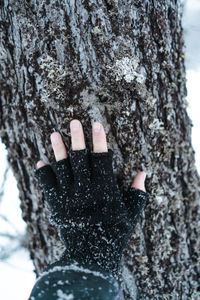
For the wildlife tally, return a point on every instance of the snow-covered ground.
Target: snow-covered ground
(16, 273)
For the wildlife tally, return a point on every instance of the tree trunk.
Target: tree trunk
(120, 63)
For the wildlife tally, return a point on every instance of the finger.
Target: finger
(79, 157)
(64, 173)
(139, 180)
(99, 138)
(48, 183)
(102, 169)
(58, 146)
(46, 179)
(77, 135)
(79, 160)
(135, 200)
(40, 164)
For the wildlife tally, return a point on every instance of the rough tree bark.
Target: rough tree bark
(120, 63)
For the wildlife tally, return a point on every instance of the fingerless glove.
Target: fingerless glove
(95, 220)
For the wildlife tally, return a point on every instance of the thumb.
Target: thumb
(139, 180)
(40, 164)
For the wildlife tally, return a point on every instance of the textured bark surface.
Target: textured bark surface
(120, 63)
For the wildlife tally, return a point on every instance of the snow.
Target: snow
(63, 296)
(16, 276)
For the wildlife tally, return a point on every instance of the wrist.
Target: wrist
(96, 245)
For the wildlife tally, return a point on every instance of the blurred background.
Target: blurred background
(16, 269)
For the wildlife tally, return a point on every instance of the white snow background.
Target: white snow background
(16, 273)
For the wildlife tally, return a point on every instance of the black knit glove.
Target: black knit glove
(95, 221)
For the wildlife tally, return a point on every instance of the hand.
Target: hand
(78, 143)
(95, 220)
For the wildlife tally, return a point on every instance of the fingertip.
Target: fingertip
(139, 181)
(55, 137)
(96, 126)
(75, 120)
(53, 133)
(40, 164)
(99, 138)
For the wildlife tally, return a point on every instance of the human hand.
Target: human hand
(78, 143)
(95, 220)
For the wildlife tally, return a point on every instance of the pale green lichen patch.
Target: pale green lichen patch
(97, 30)
(54, 77)
(156, 125)
(128, 69)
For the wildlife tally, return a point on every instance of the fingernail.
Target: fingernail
(75, 125)
(97, 127)
(55, 138)
(39, 164)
